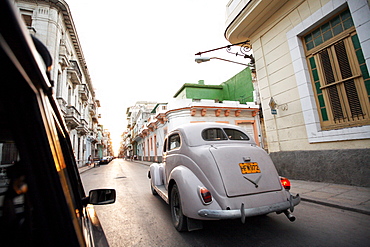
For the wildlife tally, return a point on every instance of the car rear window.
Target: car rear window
(218, 134)
(234, 134)
(214, 134)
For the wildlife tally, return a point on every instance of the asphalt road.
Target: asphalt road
(140, 219)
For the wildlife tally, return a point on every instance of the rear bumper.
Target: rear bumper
(243, 213)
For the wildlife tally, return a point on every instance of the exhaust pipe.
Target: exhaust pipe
(289, 216)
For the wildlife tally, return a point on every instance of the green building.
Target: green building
(238, 88)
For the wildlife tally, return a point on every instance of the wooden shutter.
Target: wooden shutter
(332, 89)
(348, 81)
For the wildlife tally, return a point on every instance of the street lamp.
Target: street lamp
(245, 48)
(206, 59)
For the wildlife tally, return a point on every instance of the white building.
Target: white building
(312, 59)
(51, 22)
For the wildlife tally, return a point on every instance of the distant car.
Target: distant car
(96, 161)
(105, 160)
(42, 199)
(214, 171)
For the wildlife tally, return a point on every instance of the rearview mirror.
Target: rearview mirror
(102, 196)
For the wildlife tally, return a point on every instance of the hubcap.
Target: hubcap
(176, 207)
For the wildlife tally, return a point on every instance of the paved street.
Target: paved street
(140, 219)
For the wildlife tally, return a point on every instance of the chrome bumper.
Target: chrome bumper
(243, 213)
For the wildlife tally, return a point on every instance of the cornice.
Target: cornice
(63, 7)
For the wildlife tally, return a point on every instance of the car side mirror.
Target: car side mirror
(100, 197)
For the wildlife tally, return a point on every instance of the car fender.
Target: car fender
(156, 173)
(188, 185)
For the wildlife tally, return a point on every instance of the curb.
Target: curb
(84, 169)
(328, 204)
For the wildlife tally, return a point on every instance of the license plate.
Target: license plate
(250, 167)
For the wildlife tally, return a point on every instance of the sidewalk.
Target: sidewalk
(85, 168)
(345, 197)
(341, 196)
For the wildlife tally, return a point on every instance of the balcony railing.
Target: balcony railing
(62, 105)
(72, 117)
(84, 92)
(92, 109)
(74, 73)
(83, 127)
(63, 55)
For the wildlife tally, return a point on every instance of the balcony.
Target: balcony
(74, 73)
(63, 55)
(72, 117)
(62, 105)
(84, 92)
(95, 118)
(83, 127)
(92, 109)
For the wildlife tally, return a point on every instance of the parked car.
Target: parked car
(214, 171)
(96, 161)
(42, 199)
(105, 160)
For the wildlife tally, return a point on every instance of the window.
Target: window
(27, 16)
(217, 134)
(213, 134)
(339, 74)
(234, 134)
(27, 20)
(174, 141)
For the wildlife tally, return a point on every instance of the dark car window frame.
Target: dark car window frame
(174, 142)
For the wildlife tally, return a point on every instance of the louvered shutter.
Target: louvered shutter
(332, 89)
(349, 84)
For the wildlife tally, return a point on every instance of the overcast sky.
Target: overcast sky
(143, 50)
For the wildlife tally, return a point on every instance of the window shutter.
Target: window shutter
(333, 95)
(349, 85)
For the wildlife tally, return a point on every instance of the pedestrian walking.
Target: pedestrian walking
(90, 160)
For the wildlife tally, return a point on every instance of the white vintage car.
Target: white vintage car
(213, 171)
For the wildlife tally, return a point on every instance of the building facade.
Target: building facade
(137, 119)
(51, 22)
(312, 67)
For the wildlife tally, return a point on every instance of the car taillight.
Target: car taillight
(285, 182)
(205, 194)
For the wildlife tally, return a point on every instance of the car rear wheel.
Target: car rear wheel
(178, 218)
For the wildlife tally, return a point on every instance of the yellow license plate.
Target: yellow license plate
(250, 167)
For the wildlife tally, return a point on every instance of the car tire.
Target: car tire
(179, 220)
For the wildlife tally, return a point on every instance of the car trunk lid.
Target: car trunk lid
(245, 169)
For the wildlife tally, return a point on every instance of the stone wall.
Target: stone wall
(350, 166)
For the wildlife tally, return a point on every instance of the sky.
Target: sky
(144, 50)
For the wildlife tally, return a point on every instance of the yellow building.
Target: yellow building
(312, 63)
